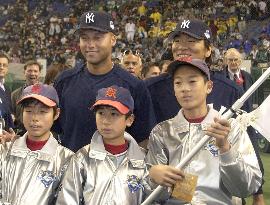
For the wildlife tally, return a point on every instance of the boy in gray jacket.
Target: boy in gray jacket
(32, 166)
(111, 169)
(226, 166)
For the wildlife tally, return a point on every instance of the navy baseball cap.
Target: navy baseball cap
(198, 63)
(96, 20)
(41, 92)
(194, 28)
(117, 97)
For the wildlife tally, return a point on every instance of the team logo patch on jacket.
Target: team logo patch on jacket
(47, 178)
(134, 183)
(211, 147)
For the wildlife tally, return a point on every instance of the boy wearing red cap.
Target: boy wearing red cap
(109, 170)
(226, 166)
(32, 166)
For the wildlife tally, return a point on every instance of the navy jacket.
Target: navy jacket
(248, 81)
(5, 108)
(224, 93)
(77, 89)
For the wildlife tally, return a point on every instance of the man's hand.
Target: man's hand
(165, 175)
(220, 130)
(7, 136)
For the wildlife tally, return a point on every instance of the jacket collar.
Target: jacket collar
(181, 125)
(47, 153)
(134, 153)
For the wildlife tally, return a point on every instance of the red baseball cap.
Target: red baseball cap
(41, 92)
(117, 97)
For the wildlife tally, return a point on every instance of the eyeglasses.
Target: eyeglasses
(233, 59)
(129, 51)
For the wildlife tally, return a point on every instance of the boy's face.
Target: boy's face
(38, 120)
(111, 124)
(191, 88)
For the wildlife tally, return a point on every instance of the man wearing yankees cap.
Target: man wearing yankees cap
(78, 87)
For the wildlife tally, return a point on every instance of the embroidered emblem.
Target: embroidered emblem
(47, 178)
(207, 34)
(185, 24)
(35, 89)
(111, 25)
(111, 92)
(134, 183)
(89, 18)
(211, 147)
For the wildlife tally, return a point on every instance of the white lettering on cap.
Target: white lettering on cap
(185, 24)
(111, 25)
(89, 18)
(207, 34)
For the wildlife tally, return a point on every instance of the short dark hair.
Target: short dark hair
(32, 62)
(147, 67)
(3, 55)
(25, 103)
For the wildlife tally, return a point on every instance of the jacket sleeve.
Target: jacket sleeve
(144, 114)
(239, 168)
(72, 185)
(156, 155)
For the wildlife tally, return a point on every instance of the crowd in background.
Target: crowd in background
(45, 29)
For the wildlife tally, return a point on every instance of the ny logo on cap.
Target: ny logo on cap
(111, 25)
(89, 18)
(185, 24)
(207, 34)
(111, 92)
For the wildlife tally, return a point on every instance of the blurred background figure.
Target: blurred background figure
(32, 71)
(150, 70)
(5, 101)
(132, 62)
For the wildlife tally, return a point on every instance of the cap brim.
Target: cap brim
(117, 105)
(40, 98)
(173, 34)
(175, 64)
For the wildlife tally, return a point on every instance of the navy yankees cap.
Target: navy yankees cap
(194, 28)
(198, 63)
(96, 20)
(41, 92)
(117, 97)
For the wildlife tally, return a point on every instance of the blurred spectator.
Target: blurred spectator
(150, 70)
(53, 71)
(32, 70)
(5, 99)
(130, 30)
(263, 55)
(132, 62)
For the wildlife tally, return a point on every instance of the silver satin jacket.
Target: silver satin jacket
(220, 176)
(31, 177)
(96, 177)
